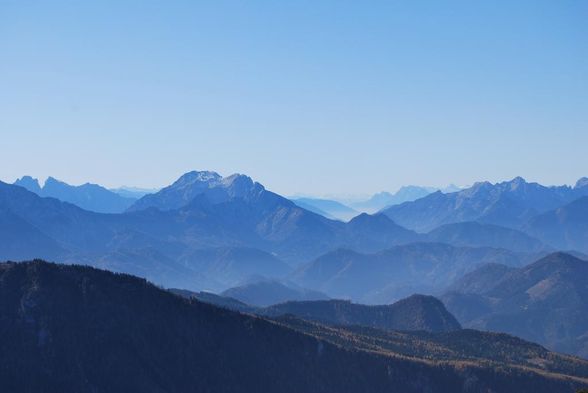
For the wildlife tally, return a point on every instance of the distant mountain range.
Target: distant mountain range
(180, 246)
(397, 272)
(226, 267)
(565, 228)
(509, 204)
(88, 196)
(475, 234)
(77, 329)
(385, 199)
(209, 232)
(545, 302)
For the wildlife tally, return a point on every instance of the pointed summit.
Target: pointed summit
(193, 177)
(207, 184)
(517, 182)
(29, 183)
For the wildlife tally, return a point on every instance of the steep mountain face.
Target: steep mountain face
(417, 312)
(507, 204)
(475, 234)
(328, 208)
(76, 329)
(545, 302)
(400, 271)
(88, 196)
(565, 228)
(264, 293)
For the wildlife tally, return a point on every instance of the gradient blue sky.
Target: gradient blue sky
(314, 97)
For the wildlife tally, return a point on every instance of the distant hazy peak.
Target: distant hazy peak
(361, 217)
(51, 180)
(29, 183)
(517, 182)
(88, 196)
(582, 182)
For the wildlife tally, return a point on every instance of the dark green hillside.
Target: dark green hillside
(77, 329)
(417, 312)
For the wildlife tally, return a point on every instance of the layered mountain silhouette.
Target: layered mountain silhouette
(267, 292)
(209, 232)
(389, 275)
(231, 266)
(77, 329)
(239, 211)
(163, 244)
(545, 301)
(217, 300)
(88, 196)
(22, 240)
(326, 207)
(384, 199)
(509, 204)
(133, 192)
(417, 312)
(475, 234)
(565, 228)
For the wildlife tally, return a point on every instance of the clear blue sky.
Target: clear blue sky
(315, 97)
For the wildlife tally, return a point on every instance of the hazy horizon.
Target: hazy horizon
(329, 98)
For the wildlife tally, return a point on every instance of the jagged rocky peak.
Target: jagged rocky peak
(197, 177)
(30, 183)
(52, 180)
(517, 182)
(207, 184)
(481, 186)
